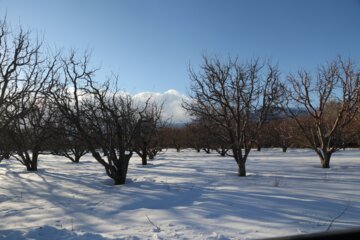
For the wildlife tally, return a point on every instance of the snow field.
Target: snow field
(184, 195)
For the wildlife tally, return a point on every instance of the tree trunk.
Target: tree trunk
(207, 150)
(119, 173)
(32, 162)
(77, 158)
(120, 177)
(124, 169)
(78, 153)
(247, 151)
(31, 166)
(325, 163)
(222, 151)
(241, 169)
(105, 152)
(241, 160)
(144, 159)
(325, 158)
(152, 153)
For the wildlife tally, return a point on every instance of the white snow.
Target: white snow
(184, 195)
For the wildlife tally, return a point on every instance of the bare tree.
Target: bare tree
(330, 102)
(22, 72)
(193, 135)
(148, 125)
(104, 118)
(74, 151)
(175, 137)
(282, 133)
(67, 142)
(236, 98)
(29, 132)
(219, 140)
(201, 134)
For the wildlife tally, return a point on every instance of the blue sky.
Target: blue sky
(150, 44)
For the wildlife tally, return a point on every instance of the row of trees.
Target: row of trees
(282, 133)
(239, 102)
(51, 103)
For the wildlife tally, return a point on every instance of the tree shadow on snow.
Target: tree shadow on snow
(159, 195)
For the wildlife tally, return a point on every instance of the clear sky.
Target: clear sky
(151, 43)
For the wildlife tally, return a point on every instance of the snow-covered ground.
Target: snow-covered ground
(184, 195)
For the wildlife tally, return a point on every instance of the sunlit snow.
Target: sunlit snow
(184, 195)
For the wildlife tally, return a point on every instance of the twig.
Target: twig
(157, 228)
(338, 216)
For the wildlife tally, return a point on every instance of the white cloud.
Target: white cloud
(172, 101)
